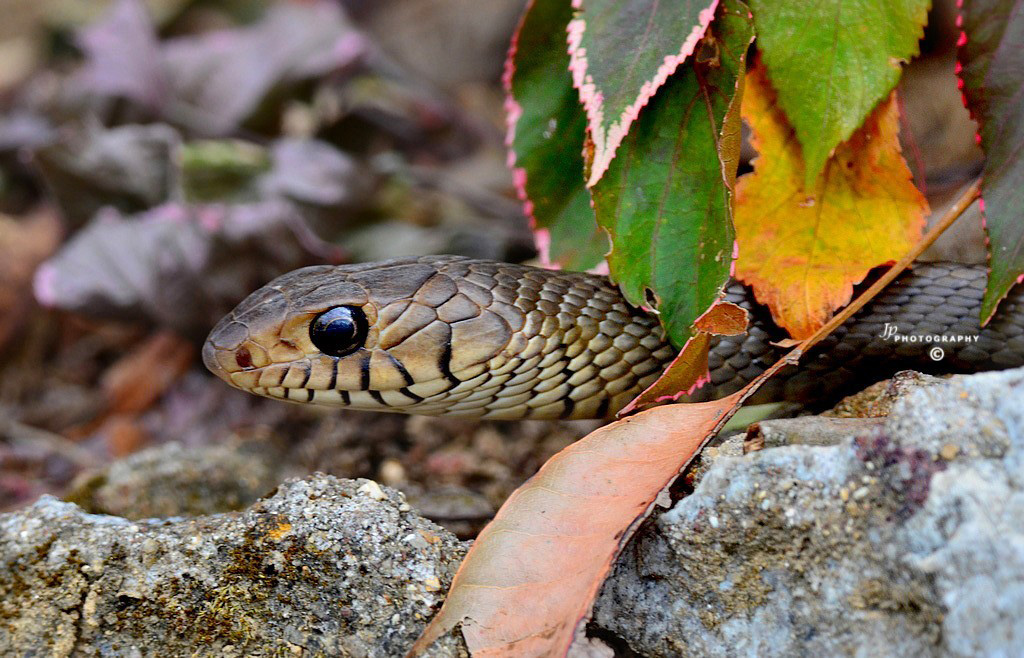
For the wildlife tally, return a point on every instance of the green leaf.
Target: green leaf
(546, 129)
(622, 52)
(666, 199)
(221, 170)
(832, 61)
(992, 63)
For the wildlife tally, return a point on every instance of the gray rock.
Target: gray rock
(808, 431)
(899, 536)
(172, 480)
(904, 539)
(877, 400)
(323, 567)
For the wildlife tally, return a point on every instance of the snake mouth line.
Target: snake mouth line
(339, 397)
(394, 401)
(291, 381)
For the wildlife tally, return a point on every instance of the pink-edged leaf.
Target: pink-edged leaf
(666, 199)
(546, 129)
(689, 370)
(991, 62)
(528, 583)
(723, 319)
(621, 52)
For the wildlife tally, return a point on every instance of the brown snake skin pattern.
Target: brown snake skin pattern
(461, 337)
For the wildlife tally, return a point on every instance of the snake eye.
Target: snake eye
(339, 331)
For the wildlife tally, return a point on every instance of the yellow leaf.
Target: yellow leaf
(803, 251)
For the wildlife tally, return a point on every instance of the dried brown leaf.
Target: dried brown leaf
(689, 370)
(24, 244)
(577, 512)
(139, 378)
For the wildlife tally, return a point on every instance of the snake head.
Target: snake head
(376, 336)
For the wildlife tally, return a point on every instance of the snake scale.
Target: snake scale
(447, 335)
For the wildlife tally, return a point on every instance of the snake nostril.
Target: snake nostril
(243, 357)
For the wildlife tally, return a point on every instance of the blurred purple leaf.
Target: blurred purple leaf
(307, 171)
(123, 57)
(314, 172)
(130, 168)
(178, 266)
(219, 78)
(24, 129)
(210, 83)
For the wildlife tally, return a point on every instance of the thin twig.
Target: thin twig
(957, 209)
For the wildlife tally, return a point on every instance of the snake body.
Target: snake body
(447, 335)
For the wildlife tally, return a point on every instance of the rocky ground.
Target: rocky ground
(896, 534)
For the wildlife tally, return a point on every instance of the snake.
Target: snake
(464, 337)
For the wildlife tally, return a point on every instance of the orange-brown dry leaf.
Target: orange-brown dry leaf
(132, 385)
(723, 319)
(124, 435)
(140, 377)
(689, 369)
(531, 576)
(24, 244)
(803, 251)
